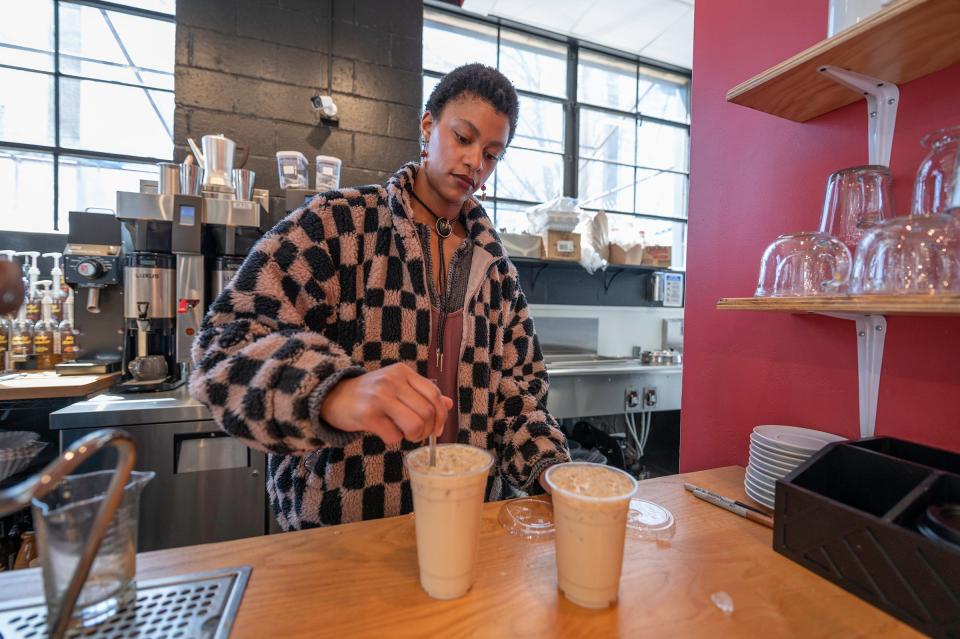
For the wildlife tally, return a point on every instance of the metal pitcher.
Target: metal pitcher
(217, 161)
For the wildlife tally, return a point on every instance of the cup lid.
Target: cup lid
(650, 521)
(529, 517)
(532, 519)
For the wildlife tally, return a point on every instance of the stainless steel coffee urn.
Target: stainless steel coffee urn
(224, 269)
(149, 313)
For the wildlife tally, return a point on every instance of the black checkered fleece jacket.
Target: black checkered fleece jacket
(337, 289)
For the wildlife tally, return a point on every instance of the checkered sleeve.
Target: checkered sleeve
(531, 439)
(263, 360)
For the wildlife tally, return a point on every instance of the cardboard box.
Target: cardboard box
(561, 245)
(620, 256)
(658, 256)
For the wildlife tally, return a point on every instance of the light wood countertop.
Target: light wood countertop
(49, 385)
(360, 580)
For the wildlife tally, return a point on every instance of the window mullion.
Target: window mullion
(56, 115)
(571, 121)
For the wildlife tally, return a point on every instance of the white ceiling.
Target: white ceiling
(655, 29)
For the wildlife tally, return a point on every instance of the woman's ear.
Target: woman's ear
(426, 127)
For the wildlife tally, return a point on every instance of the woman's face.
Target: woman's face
(463, 146)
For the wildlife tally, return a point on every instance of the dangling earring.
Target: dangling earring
(423, 152)
(483, 192)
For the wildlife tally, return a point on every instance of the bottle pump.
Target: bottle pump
(57, 293)
(32, 299)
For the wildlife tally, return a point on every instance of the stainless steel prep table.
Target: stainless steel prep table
(208, 486)
(586, 385)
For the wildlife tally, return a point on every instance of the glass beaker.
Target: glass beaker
(64, 519)
(937, 174)
(918, 254)
(856, 199)
(802, 264)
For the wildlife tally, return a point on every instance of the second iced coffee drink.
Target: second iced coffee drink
(447, 504)
(590, 504)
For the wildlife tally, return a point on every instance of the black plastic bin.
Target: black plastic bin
(853, 514)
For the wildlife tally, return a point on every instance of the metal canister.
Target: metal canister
(149, 284)
(225, 268)
(218, 152)
(168, 178)
(655, 286)
(191, 179)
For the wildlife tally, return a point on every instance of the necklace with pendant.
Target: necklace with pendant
(443, 225)
(444, 229)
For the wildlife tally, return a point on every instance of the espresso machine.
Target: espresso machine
(93, 266)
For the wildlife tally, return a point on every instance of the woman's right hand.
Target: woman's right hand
(393, 403)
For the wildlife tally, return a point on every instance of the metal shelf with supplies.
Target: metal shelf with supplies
(671, 289)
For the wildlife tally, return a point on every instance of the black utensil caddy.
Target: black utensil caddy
(851, 514)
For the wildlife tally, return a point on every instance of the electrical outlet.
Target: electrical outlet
(631, 398)
(650, 396)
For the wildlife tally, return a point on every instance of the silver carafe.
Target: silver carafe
(225, 267)
(217, 161)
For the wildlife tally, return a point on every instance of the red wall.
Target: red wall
(755, 176)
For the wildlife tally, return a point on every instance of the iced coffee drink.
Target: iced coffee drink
(590, 504)
(447, 503)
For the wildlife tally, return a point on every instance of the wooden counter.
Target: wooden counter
(360, 580)
(49, 385)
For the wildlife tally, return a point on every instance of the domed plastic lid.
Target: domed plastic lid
(650, 521)
(529, 517)
(532, 519)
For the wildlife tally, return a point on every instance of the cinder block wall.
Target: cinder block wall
(248, 68)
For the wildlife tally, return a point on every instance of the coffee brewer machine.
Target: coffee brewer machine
(173, 234)
(162, 288)
(230, 229)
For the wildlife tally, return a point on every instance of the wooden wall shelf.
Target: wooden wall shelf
(905, 41)
(862, 304)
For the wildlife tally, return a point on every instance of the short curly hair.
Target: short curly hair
(481, 81)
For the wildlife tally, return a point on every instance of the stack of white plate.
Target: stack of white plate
(774, 452)
(17, 450)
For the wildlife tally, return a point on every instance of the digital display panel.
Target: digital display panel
(188, 215)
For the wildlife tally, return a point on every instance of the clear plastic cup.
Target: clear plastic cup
(447, 505)
(590, 505)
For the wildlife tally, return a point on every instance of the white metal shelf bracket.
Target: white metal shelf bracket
(871, 331)
(882, 100)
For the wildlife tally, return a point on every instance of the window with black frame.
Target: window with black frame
(628, 153)
(86, 107)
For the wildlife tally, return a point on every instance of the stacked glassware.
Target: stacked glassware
(862, 248)
(920, 253)
(818, 263)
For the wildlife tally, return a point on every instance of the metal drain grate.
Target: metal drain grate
(194, 606)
